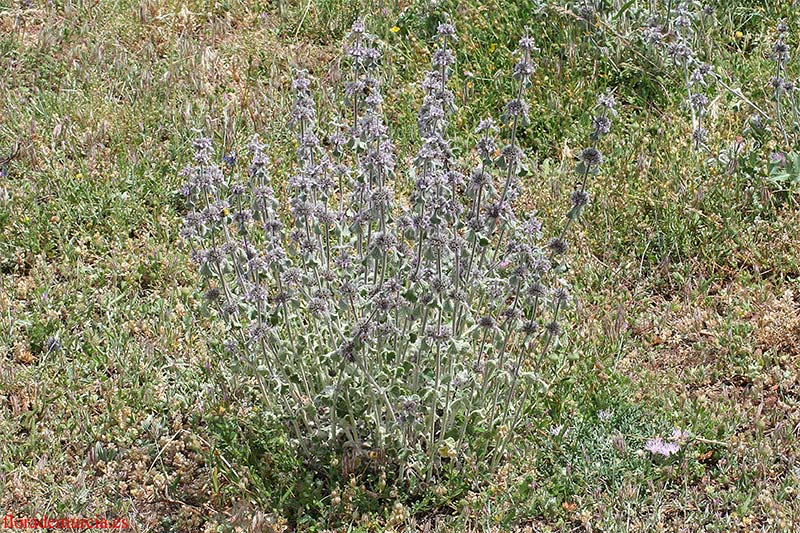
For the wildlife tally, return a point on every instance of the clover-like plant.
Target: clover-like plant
(377, 322)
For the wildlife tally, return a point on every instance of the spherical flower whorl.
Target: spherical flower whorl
(517, 107)
(529, 327)
(680, 51)
(301, 83)
(537, 290)
(443, 58)
(699, 101)
(213, 294)
(532, 227)
(579, 198)
(203, 150)
(553, 328)
(591, 156)
(602, 124)
(230, 158)
(780, 51)
(486, 322)
(446, 31)
(557, 245)
(777, 82)
(561, 295)
(586, 12)
(358, 27)
(318, 306)
(607, 101)
(523, 69)
(541, 265)
(486, 125)
(526, 43)
(699, 135)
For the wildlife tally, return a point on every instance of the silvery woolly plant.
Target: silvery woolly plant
(775, 130)
(407, 326)
(674, 35)
(782, 88)
(696, 73)
(679, 42)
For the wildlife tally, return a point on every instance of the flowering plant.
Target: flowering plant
(379, 325)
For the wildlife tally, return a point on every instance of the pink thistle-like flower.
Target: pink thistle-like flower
(658, 446)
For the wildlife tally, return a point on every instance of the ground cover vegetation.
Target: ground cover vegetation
(306, 266)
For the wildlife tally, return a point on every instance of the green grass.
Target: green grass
(688, 292)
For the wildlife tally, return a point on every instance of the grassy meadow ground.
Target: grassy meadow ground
(688, 308)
